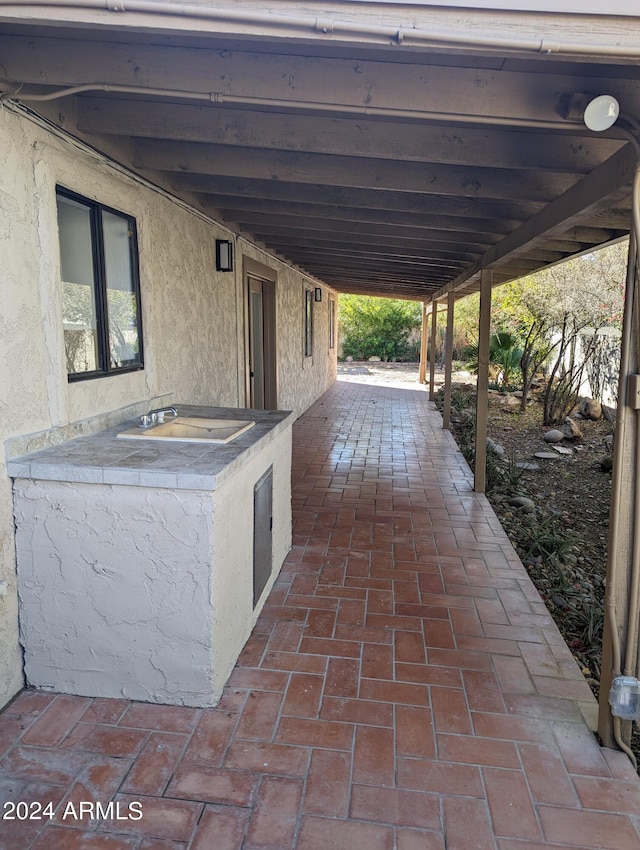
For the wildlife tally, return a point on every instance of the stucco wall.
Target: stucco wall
(192, 320)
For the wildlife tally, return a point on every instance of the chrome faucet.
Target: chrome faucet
(153, 417)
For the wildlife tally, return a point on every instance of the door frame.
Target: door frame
(269, 278)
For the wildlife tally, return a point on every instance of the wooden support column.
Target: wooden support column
(484, 331)
(622, 522)
(432, 360)
(448, 362)
(423, 345)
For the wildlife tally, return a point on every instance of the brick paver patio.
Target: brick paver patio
(404, 688)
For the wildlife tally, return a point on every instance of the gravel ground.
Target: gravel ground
(404, 375)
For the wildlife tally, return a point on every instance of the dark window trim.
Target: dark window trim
(99, 269)
(332, 323)
(308, 322)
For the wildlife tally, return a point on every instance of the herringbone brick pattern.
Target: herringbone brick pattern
(404, 688)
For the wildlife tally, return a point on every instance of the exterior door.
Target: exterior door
(256, 365)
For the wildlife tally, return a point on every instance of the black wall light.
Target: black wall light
(317, 294)
(224, 255)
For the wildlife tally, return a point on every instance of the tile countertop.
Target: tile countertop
(102, 458)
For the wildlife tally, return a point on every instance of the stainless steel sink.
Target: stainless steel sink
(191, 429)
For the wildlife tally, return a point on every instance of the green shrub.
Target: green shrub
(379, 327)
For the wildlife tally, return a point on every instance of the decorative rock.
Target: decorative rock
(348, 359)
(559, 601)
(527, 506)
(606, 464)
(511, 401)
(553, 436)
(571, 430)
(591, 409)
(546, 455)
(563, 450)
(374, 359)
(494, 447)
(527, 464)
(608, 441)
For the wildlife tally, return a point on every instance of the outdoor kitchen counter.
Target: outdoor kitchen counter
(143, 566)
(103, 458)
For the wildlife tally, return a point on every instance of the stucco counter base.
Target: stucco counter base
(144, 592)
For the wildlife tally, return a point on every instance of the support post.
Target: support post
(432, 360)
(622, 520)
(448, 362)
(482, 396)
(423, 346)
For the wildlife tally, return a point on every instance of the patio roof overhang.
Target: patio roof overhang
(384, 149)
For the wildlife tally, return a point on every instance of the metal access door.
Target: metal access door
(262, 533)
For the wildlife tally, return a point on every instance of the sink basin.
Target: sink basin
(191, 429)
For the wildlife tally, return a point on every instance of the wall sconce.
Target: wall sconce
(317, 294)
(224, 255)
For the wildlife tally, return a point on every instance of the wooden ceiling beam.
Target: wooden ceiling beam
(347, 171)
(413, 293)
(233, 208)
(379, 265)
(365, 137)
(367, 244)
(369, 198)
(303, 228)
(595, 192)
(323, 83)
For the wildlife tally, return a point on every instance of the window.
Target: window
(308, 322)
(332, 323)
(100, 288)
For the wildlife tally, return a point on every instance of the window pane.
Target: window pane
(78, 287)
(308, 323)
(332, 323)
(122, 307)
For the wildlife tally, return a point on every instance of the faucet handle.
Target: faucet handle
(147, 420)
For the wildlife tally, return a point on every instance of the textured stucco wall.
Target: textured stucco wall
(139, 592)
(192, 319)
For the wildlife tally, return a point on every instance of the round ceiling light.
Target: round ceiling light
(602, 113)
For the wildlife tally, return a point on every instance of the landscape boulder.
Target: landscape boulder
(510, 400)
(495, 448)
(553, 436)
(590, 409)
(571, 430)
(527, 506)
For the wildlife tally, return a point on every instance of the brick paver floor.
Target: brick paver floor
(404, 687)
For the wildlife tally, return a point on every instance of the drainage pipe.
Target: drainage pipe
(310, 24)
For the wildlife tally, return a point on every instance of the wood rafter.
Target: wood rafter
(407, 170)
